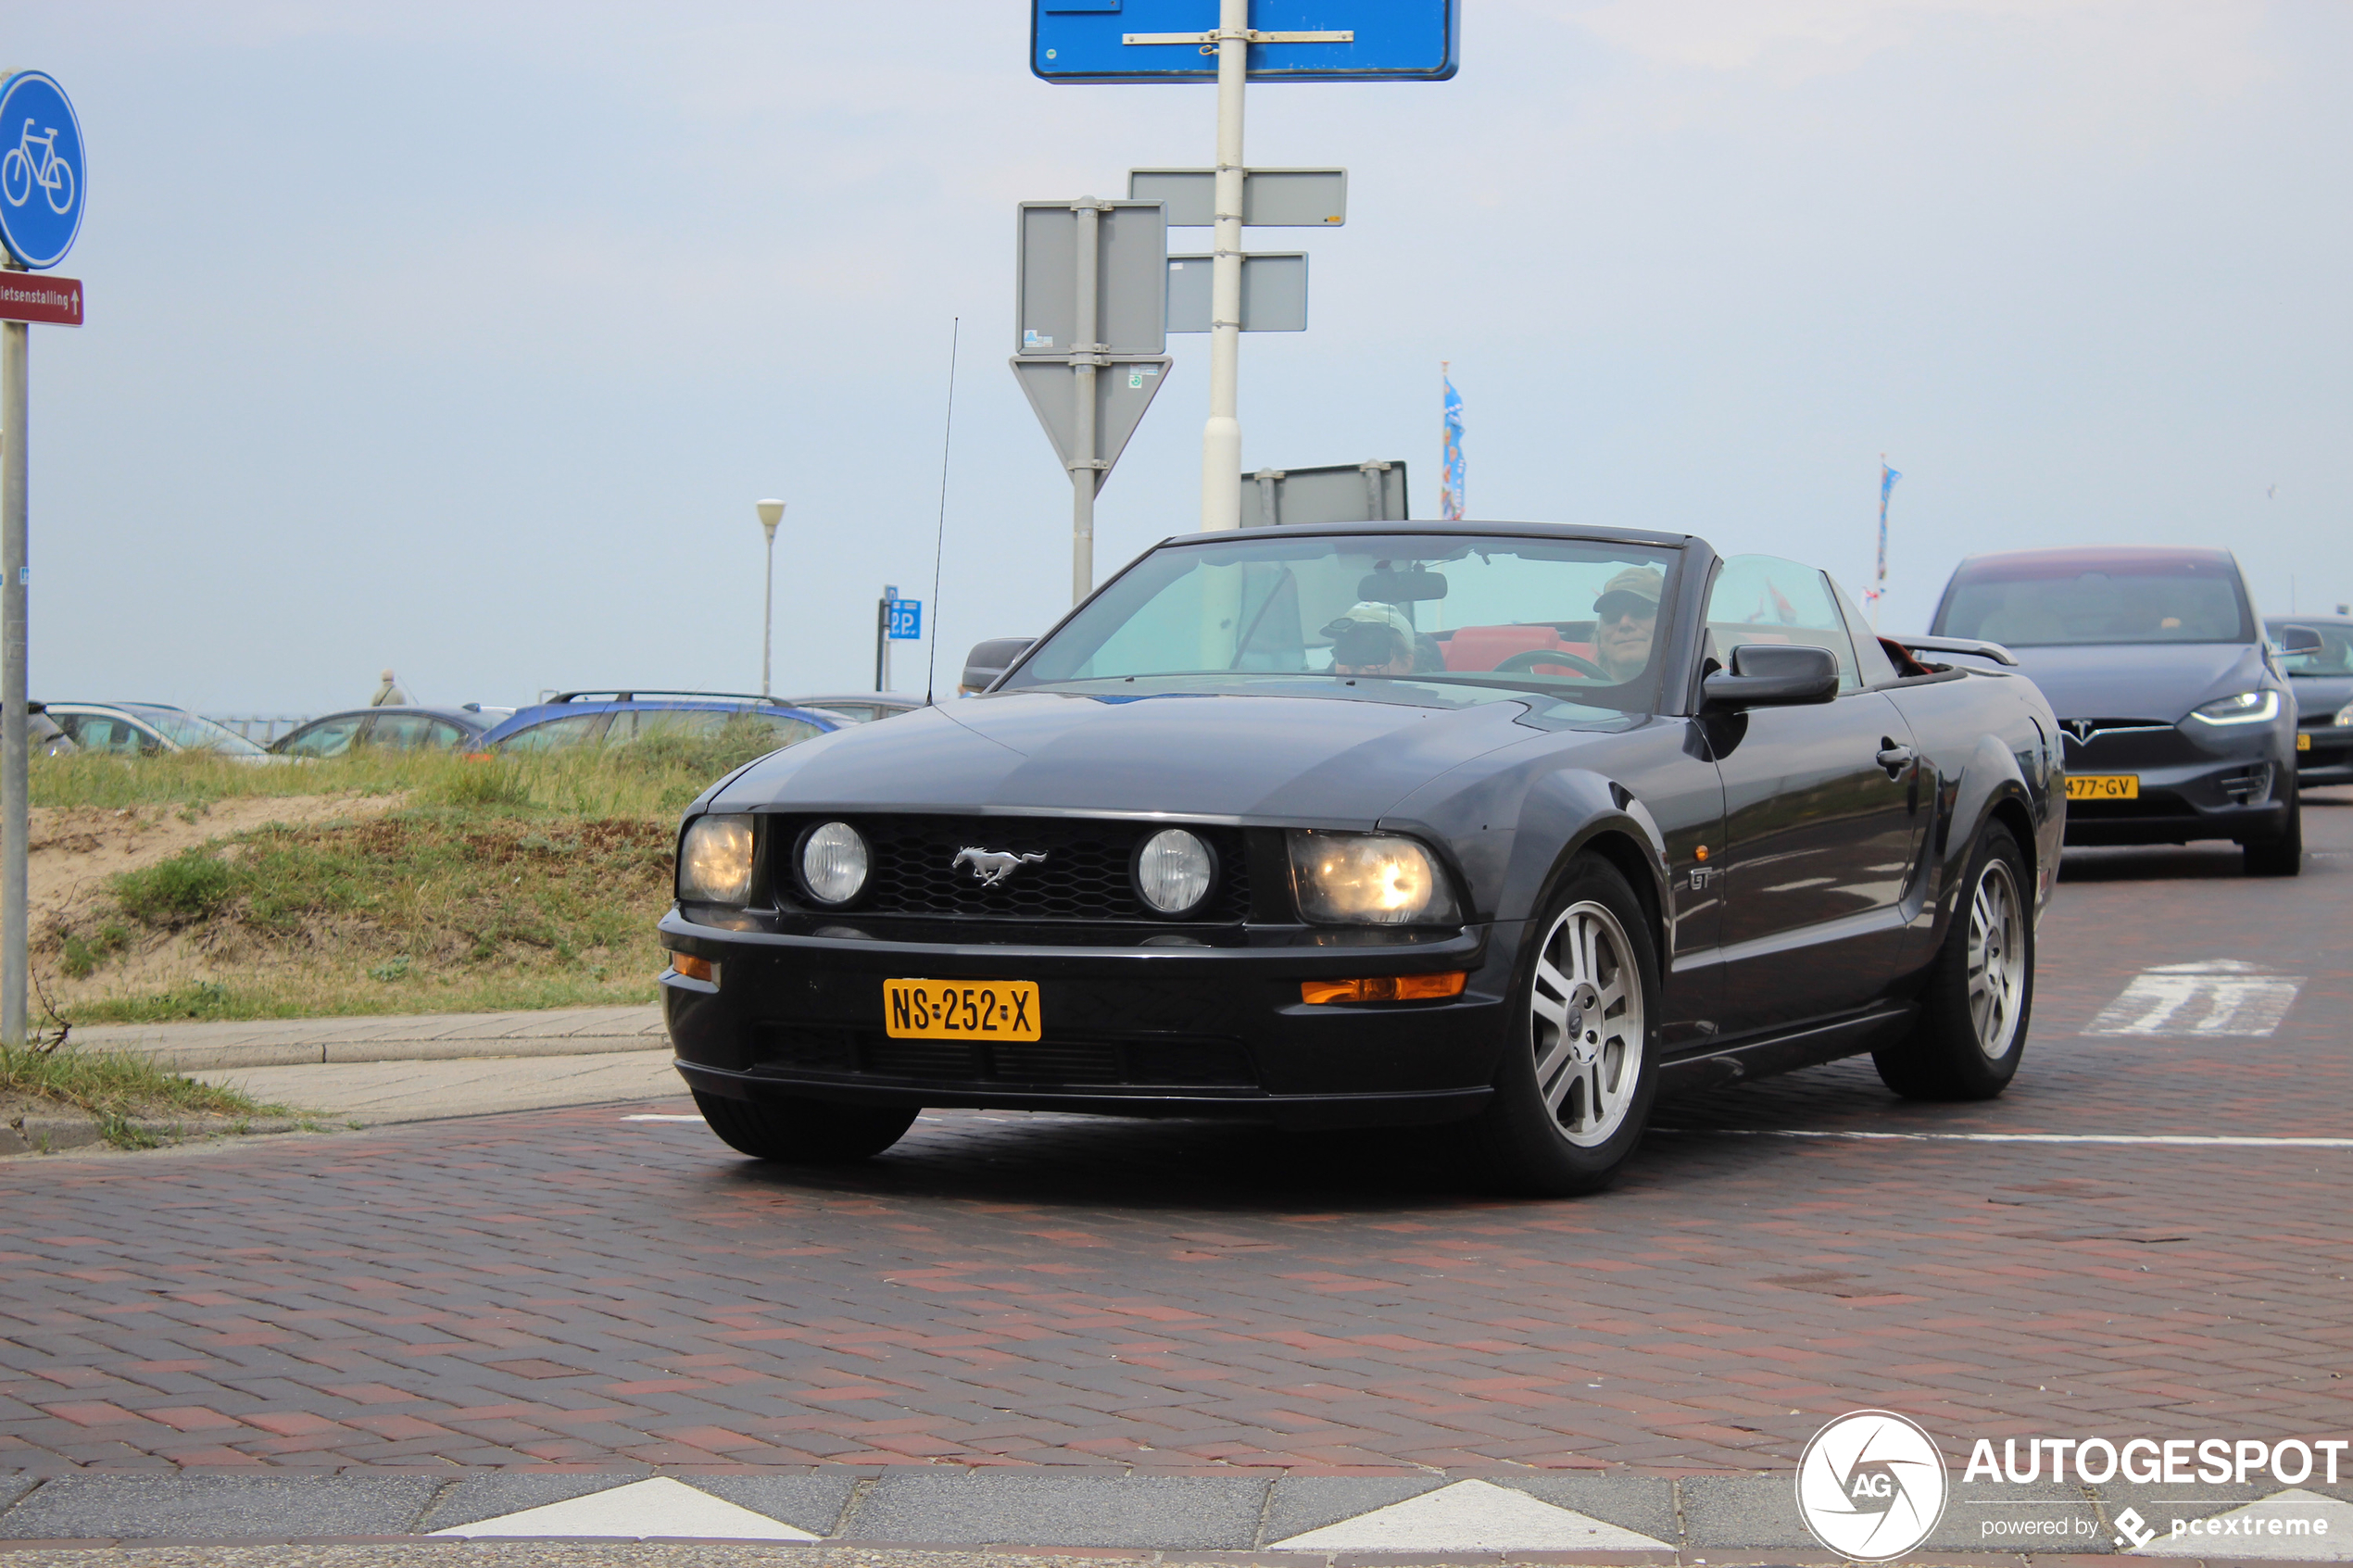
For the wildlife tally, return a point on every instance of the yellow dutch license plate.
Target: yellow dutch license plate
(2303, 743)
(2103, 786)
(960, 1010)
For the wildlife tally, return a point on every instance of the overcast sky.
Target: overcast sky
(463, 337)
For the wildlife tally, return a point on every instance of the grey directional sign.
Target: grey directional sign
(1273, 292)
(1131, 295)
(1124, 389)
(1272, 198)
(1373, 491)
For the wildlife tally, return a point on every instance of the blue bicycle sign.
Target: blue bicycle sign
(41, 172)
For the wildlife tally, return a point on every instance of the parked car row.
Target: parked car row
(146, 729)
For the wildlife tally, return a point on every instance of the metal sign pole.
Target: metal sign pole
(15, 973)
(1221, 438)
(1086, 357)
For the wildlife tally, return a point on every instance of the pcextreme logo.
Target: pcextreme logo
(1870, 1485)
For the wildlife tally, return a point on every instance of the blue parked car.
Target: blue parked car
(614, 717)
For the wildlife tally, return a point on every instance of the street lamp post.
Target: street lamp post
(771, 514)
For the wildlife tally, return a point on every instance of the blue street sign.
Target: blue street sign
(41, 173)
(1396, 40)
(906, 619)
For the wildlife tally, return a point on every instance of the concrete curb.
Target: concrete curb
(294, 1042)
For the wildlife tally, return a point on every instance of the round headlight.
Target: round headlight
(833, 863)
(1174, 870)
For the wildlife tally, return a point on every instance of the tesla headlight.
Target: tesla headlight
(1368, 879)
(1174, 870)
(714, 861)
(2248, 708)
(834, 863)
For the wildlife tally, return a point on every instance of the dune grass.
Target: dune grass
(518, 882)
(113, 1085)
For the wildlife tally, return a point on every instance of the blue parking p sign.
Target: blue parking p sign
(905, 622)
(42, 183)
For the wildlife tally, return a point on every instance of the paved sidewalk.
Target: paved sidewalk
(285, 1042)
(372, 1092)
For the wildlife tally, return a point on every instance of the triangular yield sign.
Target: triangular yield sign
(640, 1511)
(1124, 389)
(1472, 1517)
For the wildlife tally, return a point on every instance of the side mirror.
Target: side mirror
(2296, 640)
(991, 660)
(1773, 675)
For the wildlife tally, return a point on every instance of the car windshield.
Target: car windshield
(2024, 602)
(1447, 620)
(197, 735)
(2335, 657)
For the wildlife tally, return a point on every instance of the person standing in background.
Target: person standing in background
(389, 695)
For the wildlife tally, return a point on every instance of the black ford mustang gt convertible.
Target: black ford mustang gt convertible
(1504, 825)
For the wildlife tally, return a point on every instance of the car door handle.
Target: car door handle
(1895, 757)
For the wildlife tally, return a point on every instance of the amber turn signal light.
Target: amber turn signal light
(694, 968)
(1384, 988)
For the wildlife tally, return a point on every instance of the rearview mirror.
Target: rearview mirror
(991, 660)
(2299, 639)
(1773, 675)
(1387, 587)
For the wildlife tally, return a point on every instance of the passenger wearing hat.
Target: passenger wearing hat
(1624, 617)
(1371, 639)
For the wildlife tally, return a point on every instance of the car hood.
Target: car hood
(2159, 681)
(1320, 759)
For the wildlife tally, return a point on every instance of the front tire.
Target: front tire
(1980, 992)
(2282, 856)
(804, 1132)
(1580, 1069)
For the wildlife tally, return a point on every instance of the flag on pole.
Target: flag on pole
(1449, 489)
(1887, 478)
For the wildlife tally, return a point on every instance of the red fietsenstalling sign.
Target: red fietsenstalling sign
(35, 296)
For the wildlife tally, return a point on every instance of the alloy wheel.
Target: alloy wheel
(1586, 1020)
(1997, 958)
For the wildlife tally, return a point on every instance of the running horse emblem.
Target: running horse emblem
(992, 866)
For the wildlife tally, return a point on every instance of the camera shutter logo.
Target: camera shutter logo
(1871, 1486)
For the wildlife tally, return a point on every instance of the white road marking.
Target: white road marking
(657, 1507)
(2245, 1534)
(2218, 997)
(645, 1117)
(2176, 1138)
(1472, 1517)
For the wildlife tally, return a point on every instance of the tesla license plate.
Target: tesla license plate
(2103, 786)
(960, 1010)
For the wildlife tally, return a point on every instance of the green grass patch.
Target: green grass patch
(115, 1086)
(526, 881)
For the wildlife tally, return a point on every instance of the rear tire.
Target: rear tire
(1581, 1067)
(1981, 991)
(804, 1132)
(2282, 856)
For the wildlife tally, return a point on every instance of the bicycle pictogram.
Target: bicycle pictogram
(19, 171)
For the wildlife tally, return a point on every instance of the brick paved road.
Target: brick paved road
(568, 1288)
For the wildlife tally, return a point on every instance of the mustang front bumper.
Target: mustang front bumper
(1132, 1023)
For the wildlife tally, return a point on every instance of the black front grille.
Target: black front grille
(1081, 874)
(1181, 1062)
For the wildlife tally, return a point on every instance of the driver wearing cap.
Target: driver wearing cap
(1624, 617)
(1371, 639)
